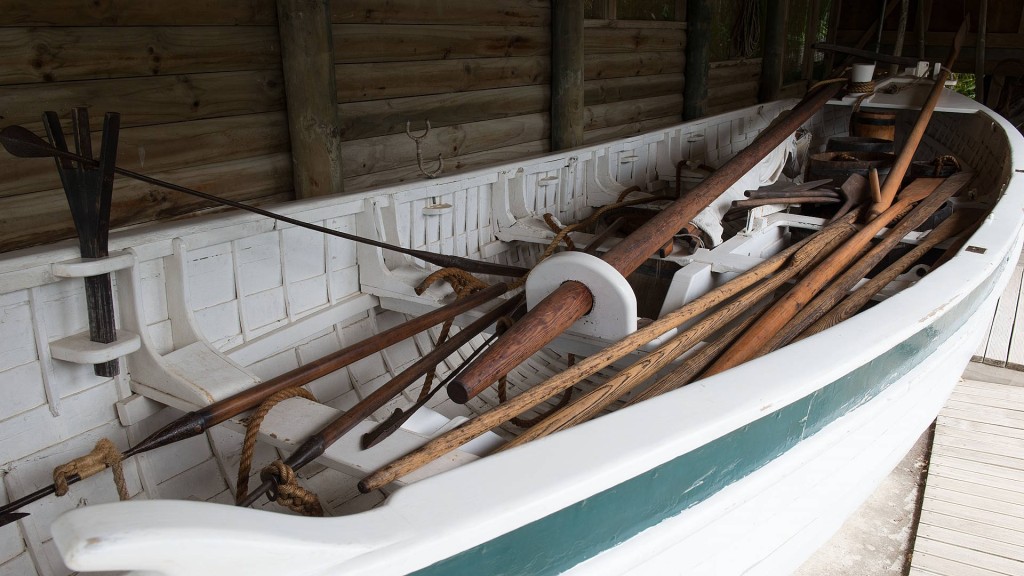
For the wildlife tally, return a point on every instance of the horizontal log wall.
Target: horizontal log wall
(633, 77)
(1004, 39)
(478, 71)
(200, 90)
(198, 86)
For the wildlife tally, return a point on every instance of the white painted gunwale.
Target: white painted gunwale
(443, 515)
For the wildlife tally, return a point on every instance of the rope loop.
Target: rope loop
(252, 429)
(287, 491)
(104, 455)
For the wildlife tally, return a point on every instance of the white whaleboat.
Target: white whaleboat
(744, 471)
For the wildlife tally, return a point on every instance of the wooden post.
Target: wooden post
(774, 45)
(307, 55)
(835, 10)
(810, 39)
(698, 59)
(901, 32)
(566, 74)
(979, 53)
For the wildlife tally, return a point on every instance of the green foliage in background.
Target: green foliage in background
(965, 84)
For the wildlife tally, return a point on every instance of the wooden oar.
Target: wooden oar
(198, 421)
(572, 300)
(592, 403)
(906, 155)
(840, 287)
(954, 226)
(316, 444)
(24, 144)
(694, 364)
(595, 362)
(753, 342)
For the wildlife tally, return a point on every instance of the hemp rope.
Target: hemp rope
(252, 429)
(463, 284)
(862, 87)
(288, 492)
(103, 455)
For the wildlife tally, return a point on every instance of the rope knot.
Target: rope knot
(104, 455)
(287, 491)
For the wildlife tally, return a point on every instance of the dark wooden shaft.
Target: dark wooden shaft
(572, 300)
(318, 443)
(196, 422)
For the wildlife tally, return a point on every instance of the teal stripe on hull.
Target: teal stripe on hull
(569, 536)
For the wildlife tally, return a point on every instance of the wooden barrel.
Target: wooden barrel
(858, 144)
(873, 124)
(839, 165)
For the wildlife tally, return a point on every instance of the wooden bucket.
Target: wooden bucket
(871, 124)
(839, 165)
(858, 144)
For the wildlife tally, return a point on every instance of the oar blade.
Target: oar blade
(11, 517)
(23, 143)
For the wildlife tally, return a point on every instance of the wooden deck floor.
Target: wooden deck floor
(1002, 345)
(972, 516)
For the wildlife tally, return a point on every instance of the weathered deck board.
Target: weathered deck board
(972, 515)
(1003, 345)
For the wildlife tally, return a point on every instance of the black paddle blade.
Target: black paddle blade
(21, 142)
(12, 517)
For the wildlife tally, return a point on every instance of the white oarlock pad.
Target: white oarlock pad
(613, 315)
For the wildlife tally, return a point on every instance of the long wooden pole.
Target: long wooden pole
(906, 155)
(586, 367)
(572, 300)
(604, 395)
(316, 444)
(754, 341)
(840, 286)
(955, 225)
(196, 422)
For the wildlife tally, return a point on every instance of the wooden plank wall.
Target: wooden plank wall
(478, 71)
(633, 76)
(201, 94)
(1004, 39)
(198, 86)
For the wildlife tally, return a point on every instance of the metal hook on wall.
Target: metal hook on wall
(419, 151)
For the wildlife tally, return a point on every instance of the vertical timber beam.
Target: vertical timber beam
(698, 59)
(774, 44)
(810, 39)
(566, 74)
(307, 54)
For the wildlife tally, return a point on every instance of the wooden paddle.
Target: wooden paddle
(755, 340)
(572, 300)
(840, 286)
(595, 362)
(902, 162)
(589, 405)
(954, 226)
